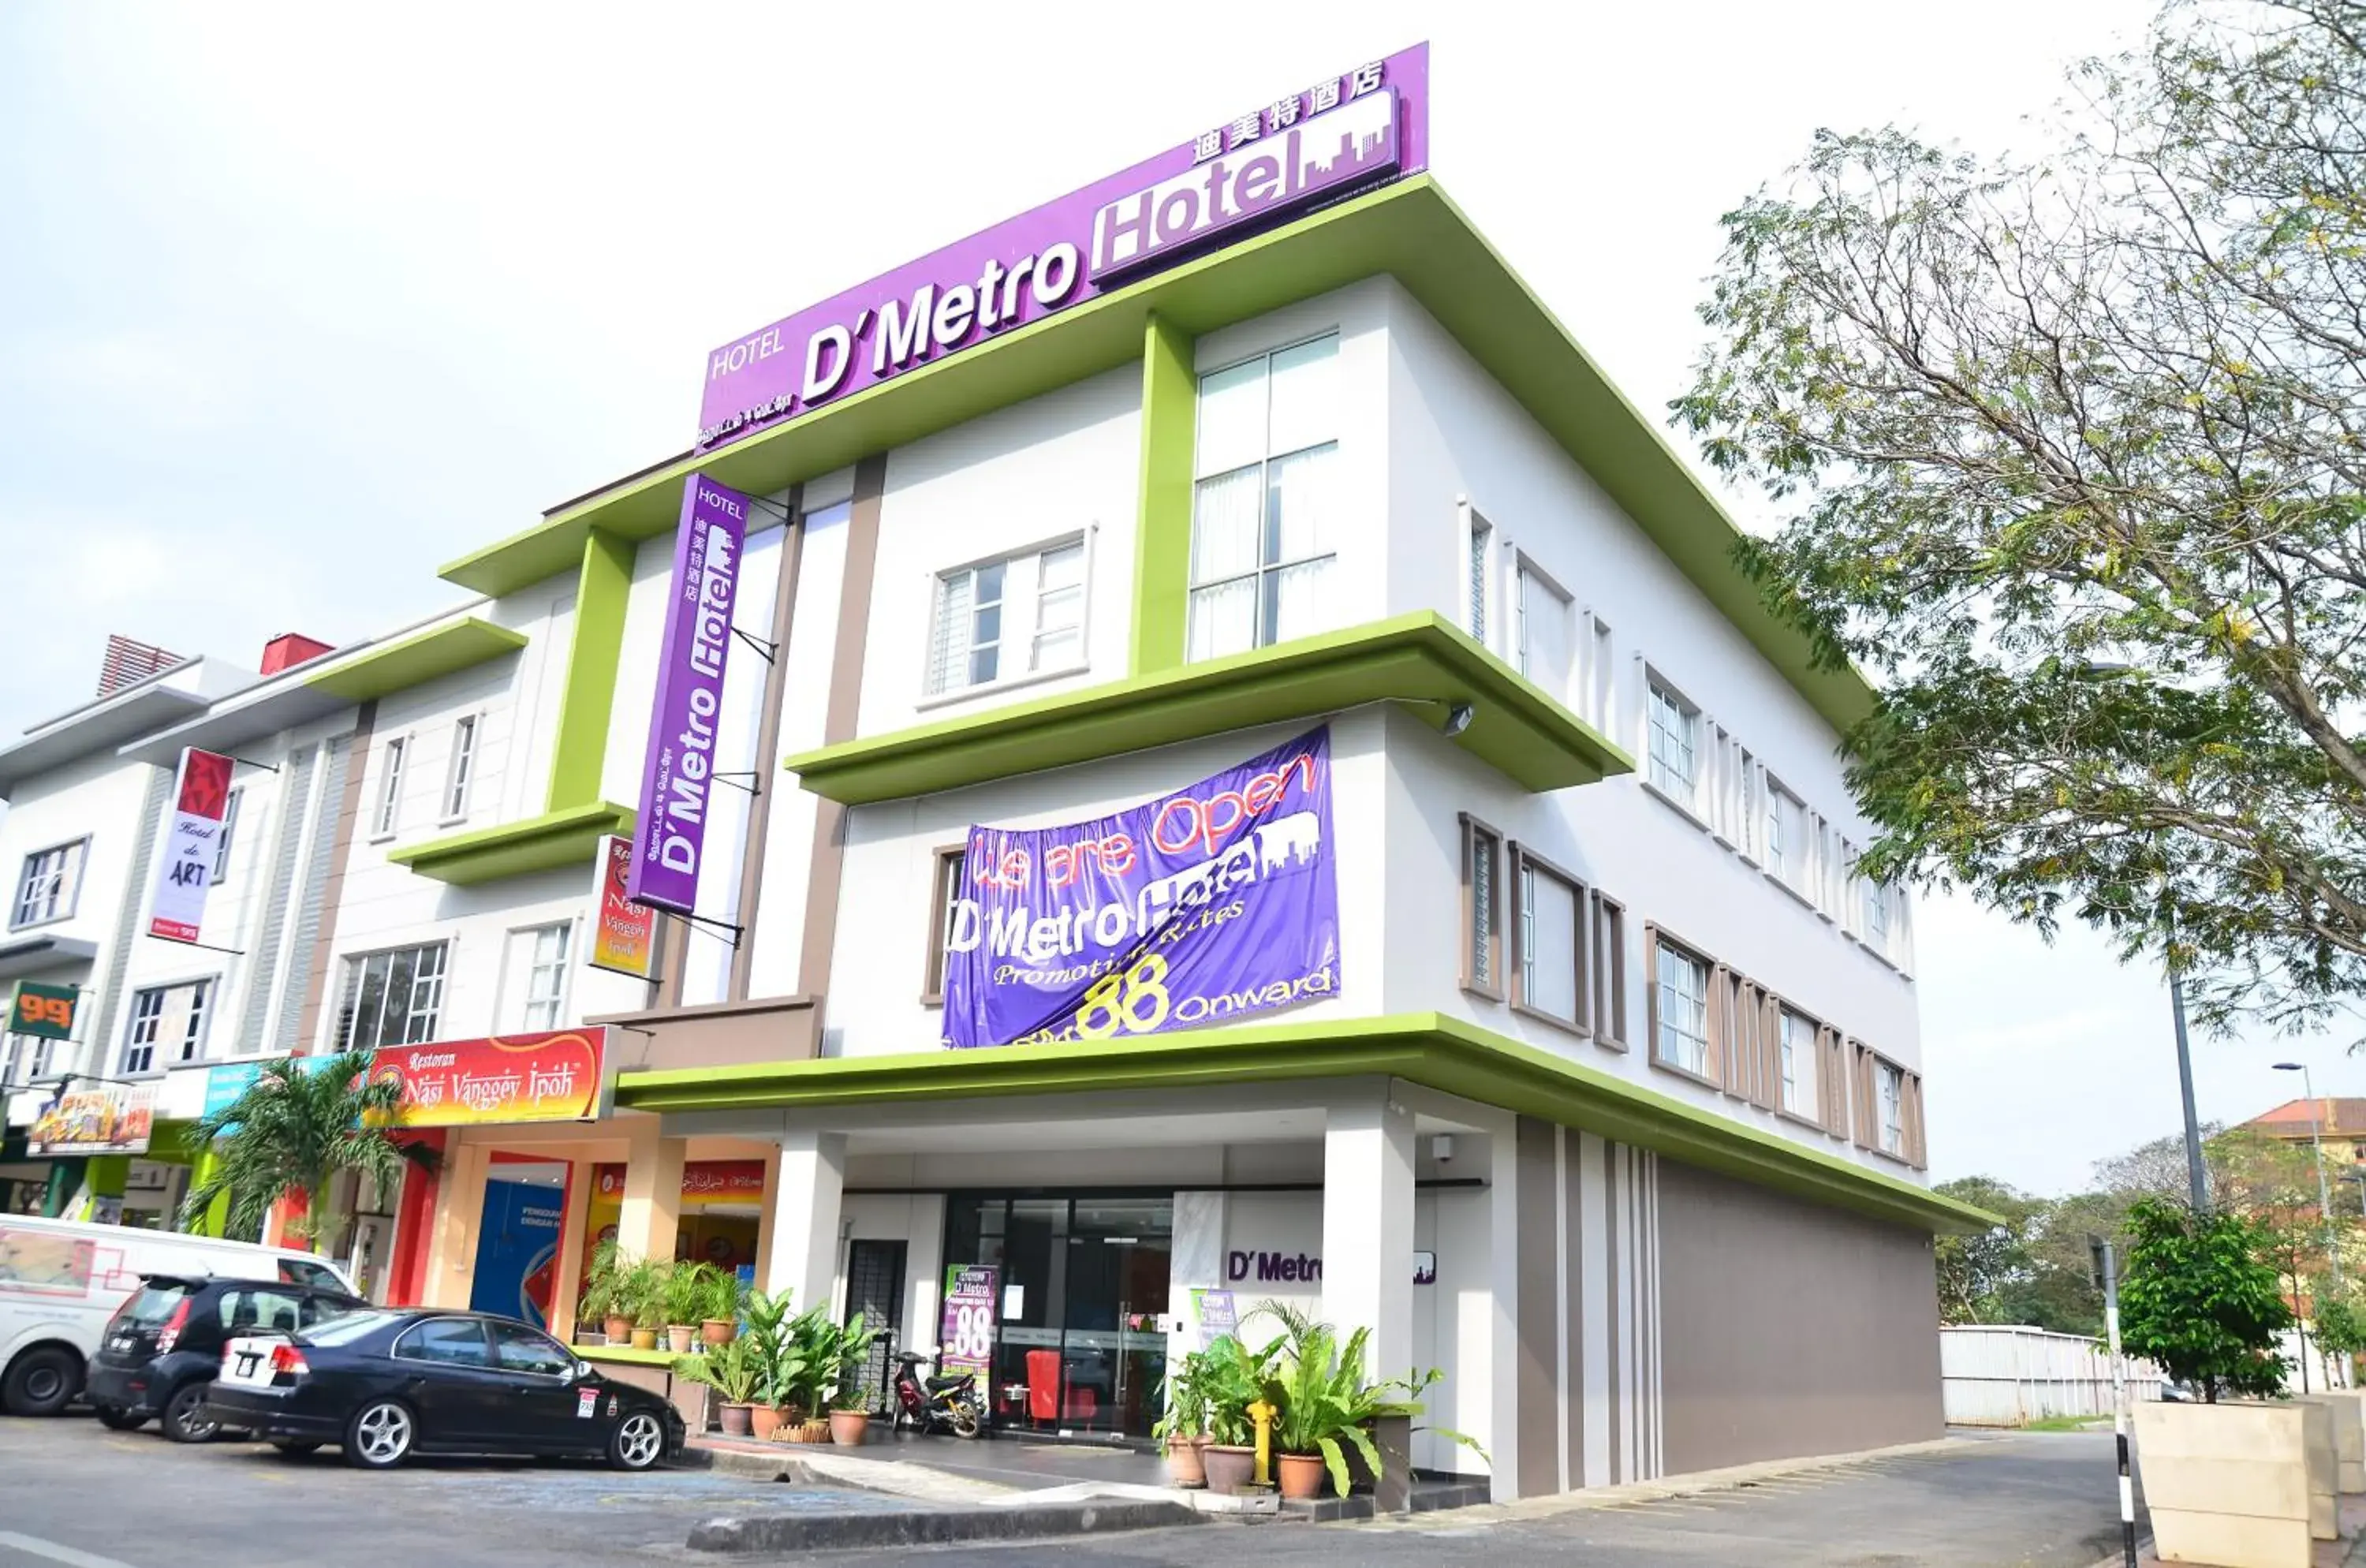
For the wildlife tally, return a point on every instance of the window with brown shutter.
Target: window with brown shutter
(1832, 1081)
(1482, 910)
(1680, 993)
(1609, 972)
(945, 888)
(1548, 942)
(1918, 1154)
(1861, 1093)
(1750, 1065)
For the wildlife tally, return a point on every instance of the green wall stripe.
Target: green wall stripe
(1162, 558)
(581, 752)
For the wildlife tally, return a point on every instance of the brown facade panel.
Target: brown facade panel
(1788, 1329)
(1540, 1309)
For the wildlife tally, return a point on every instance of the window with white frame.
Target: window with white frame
(1675, 740)
(1550, 967)
(48, 884)
(1889, 1102)
(389, 787)
(945, 907)
(168, 1026)
(1542, 635)
(1683, 983)
(1478, 541)
(999, 620)
(1785, 835)
(543, 953)
(1796, 1041)
(463, 771)
(24, 1058)
(1876, 896)
(1262, 550)
(1482, 910)
(229, 832)
(391, 998)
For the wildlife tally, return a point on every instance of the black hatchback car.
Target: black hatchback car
(164, 1344)
(385, 1385)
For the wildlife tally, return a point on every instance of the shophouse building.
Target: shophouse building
(1245, 519)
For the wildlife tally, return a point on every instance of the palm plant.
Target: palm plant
(685, 1293)
(290, 1134)
(733, 1370)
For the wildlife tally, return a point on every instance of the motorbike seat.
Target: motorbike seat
(938, 1386)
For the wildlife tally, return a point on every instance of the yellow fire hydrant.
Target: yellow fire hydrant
(1262, 1412)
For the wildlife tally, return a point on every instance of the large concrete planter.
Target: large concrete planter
(2348, 1437)
(2228, 1485)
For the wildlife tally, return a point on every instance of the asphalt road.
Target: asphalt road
(74, 1495)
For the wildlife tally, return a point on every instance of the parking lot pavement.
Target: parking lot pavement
(74, 1495)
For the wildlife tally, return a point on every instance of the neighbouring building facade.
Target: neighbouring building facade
(1210, 757)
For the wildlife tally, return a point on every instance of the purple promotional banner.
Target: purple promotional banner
(678, 775)
(1215, 901)
(1273, 161)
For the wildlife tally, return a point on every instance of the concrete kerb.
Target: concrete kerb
(931, 1527)
(1702, 1480)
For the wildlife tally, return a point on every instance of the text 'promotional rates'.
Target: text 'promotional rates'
(1217, 900)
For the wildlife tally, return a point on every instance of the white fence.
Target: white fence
(2003, 1376)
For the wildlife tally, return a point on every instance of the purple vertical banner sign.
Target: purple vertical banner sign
(678, 775)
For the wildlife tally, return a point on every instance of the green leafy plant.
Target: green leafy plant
(2340, 1327)
(685, 1291)
(1185, 1415)
(780, 1360)
(1325, 1405)
(640, 1288)
(2197, 1299)
(830, 1356)
(1235, 1377)
(732, 1371)
(600, 1297)
(294, 1127)
(719, 1301)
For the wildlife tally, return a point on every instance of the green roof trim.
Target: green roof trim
(1431, 1049)
(416, 660)
(580, 751)
(1411, 230)
(1162, 545)
(514, 849)
(1420, 659)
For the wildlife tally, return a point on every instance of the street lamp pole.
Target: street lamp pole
(2316, 1146)
(2198, 1189)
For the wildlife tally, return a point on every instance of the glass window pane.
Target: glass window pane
(1298, 505)
(1231, 418)
(1296, 604)
(1058, 651)
(1063, 567)
(986, 624)
(1224, 526)
(1223, 618)
(1552, 934)
(948, 650)
(989, 583)
(1305, 395)
(985, 663)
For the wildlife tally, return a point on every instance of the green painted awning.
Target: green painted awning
(1419, 660)
(539, 843)
(413, 661)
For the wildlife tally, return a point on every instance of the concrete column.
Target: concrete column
(1367, 1225)
(804, 1219)
(1502, 1371)
(652, 1207)
(764, 1231)
(582, 1174)
(460, 1213)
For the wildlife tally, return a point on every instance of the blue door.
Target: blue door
(517, 1250)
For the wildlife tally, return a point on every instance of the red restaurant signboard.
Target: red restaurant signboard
(551, 1077)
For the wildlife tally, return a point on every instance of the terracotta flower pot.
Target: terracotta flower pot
(645, 1338)
(619, 1330)
(1229, 1470)
(679, 1336)
(762, 1420)
(816, 1430)
(1185, 1464)
(739, 1420)
(718, 1331)
(1302, 1475)
(846, 1426)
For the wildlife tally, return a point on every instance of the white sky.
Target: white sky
(296, 305)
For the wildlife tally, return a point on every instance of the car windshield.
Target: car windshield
(155, 1302)
(345, 1329)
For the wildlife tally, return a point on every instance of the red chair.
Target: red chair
(1043, 1402)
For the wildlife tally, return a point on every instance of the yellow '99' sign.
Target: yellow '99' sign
(47, 1012)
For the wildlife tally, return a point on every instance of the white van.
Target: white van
(61, 1282)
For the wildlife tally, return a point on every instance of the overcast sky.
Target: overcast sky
(297, 304)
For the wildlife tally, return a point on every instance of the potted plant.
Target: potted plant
(682, 1290)
(732, 1371)
(603, 1295)
(1182, 1431)
(643, 1291)
(841, 1349)
(1235, 1378)
(2197, 1298)
(778, 1357)
(1327, 1413)
(718, 1308)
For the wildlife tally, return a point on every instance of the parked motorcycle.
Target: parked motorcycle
(935, 1403)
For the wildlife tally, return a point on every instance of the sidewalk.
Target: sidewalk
(2349, 1552)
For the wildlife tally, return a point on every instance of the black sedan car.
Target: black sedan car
(164, 1345)
(386, 1384)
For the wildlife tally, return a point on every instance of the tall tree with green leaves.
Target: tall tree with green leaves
(290, 1134)
(2070, 453)
(2196, 1297)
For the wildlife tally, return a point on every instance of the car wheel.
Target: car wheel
(42, 1381)
(295, 1448)
(115, 1419)
(638, 1442)
(380, 1435)
(186, 1419)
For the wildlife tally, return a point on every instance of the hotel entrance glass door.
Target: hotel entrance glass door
(1084, 1282)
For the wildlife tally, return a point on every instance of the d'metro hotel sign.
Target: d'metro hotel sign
(1339, 137)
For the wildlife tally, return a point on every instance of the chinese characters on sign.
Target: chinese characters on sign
(200, 800)
(1337, 139)
(678, 777)
(1213, 902)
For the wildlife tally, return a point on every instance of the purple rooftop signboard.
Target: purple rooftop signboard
(678, 775)
(1343, 135)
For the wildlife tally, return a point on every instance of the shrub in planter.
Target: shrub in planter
(1182, 1430)
(2197, 1299)
(681, 1301)
(718, 1308)
(1325, 1410)
(1231, 1378)
(732, 1372)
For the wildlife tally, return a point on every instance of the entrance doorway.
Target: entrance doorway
(1084, 1286)
(874, 1287)
(517, 1242)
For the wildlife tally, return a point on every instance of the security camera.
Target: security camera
(1458, 719)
